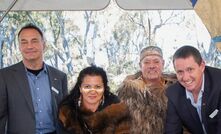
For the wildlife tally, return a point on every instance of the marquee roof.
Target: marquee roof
(93, 4)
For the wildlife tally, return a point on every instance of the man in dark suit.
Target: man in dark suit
(195, 100)
(31, 90)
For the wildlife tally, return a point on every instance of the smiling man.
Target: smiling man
(195, 100)
(31, 90)
(144, 93)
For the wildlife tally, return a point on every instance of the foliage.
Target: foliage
(111, 38)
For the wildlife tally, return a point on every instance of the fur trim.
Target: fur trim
(111, 120)
(147, 105)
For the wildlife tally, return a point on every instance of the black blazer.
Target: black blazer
(16, 108)
(180, 111)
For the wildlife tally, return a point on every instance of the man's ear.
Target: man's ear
(140, 64)
(203, 65)
(44, 45)
(19, 47)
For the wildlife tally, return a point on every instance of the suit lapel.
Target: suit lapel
(54, 89)
(22, 81)
(190, 110)
(205, 99)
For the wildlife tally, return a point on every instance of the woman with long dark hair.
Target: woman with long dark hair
(92, 108)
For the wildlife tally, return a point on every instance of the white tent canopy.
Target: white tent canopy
(92, 4)
(35, 5)
(155, 4)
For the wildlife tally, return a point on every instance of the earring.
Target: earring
(102, 101)
(79, 102)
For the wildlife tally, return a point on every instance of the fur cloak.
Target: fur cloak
(147, 103)
(113, 119)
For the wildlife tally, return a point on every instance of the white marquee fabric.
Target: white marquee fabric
(94, 4)
(155, 4)
(36, 5)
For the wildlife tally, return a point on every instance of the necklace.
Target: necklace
(88, 130)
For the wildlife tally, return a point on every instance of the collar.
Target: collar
(44, 68)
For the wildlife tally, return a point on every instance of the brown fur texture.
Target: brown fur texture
(147, 104)
(114, 119)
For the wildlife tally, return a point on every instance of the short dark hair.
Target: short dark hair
(186, 51)
(31, 26)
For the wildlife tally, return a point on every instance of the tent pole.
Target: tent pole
(7, 10)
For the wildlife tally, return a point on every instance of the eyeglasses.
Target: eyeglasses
(87, 88)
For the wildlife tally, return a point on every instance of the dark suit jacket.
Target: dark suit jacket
(16, 108)
(180, 111)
